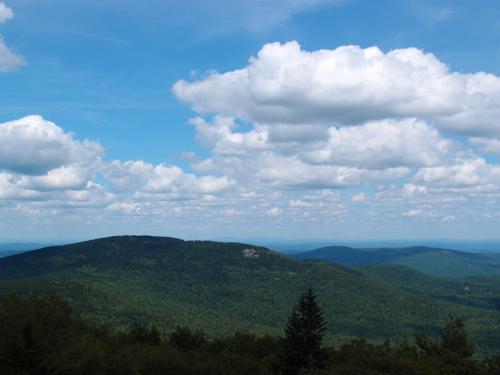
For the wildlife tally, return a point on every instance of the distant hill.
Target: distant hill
(434, 261)
(223, 287)
(8, 253)
(8, 249)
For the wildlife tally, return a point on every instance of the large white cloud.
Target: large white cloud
(34, 146)
(42, 165)
(470, 172)
(348, 85)
(329, 157)
(384, 144)
(145, 178)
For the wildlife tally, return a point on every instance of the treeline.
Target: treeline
(41, 335)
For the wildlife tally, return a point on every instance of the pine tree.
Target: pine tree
(304, 332)
(455, 339)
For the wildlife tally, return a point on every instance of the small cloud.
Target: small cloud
(275, 211)
(448, 218)
(412, 213)
(6, 13)
(358, 197)
(9, 60)
(231, 213)
(297, 203)
(440, 14)
(124, 207)
(488, 145)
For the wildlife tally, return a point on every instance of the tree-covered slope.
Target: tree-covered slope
(434, 261)
(223, 287)
(353, 256)
(453, 264)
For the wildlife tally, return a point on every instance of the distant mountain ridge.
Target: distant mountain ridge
(435, 261)
(8, 249)
(225, 287)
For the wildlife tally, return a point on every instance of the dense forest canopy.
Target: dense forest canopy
(41, 335)
(221, 288)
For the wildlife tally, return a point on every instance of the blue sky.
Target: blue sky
(174, 148)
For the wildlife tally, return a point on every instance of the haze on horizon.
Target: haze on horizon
(298, 119)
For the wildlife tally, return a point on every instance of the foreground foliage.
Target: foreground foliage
(40, 335)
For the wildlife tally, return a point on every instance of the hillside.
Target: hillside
(8, 249)
(223, 287)
(434, 261)
(8, 253)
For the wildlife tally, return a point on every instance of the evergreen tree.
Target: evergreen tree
(301, 346)
(454, 338)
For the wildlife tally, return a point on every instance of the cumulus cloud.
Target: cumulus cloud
(383, 144)
(34, 146)
(146, 178)
(6, 13)
(470, 172)
(488, 145)
(43, 168)
(339, 157)
(305, 123)
(291, 138)
(348, 85)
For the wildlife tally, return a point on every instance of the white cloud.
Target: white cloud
(349, 85)
(488, 145)
(383, 144)
(9, 60)
(145, 178)
(274, 211)
(124, 207)
(412, 190)
(304, 123)
(470, 172)
(54, 167)
(360, 197)
(297, 203)
(34, 146)
(72, 177)
(413, 213)
(6, 13)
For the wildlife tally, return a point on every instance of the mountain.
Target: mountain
(7, 249)
(434, 261)
(8, 253)
(223, 287)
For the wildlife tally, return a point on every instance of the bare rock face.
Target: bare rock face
(250, 253)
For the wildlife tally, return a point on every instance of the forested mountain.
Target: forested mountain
(225, 287)
(431, 260)
(8, 253)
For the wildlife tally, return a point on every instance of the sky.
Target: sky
(319, 119)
